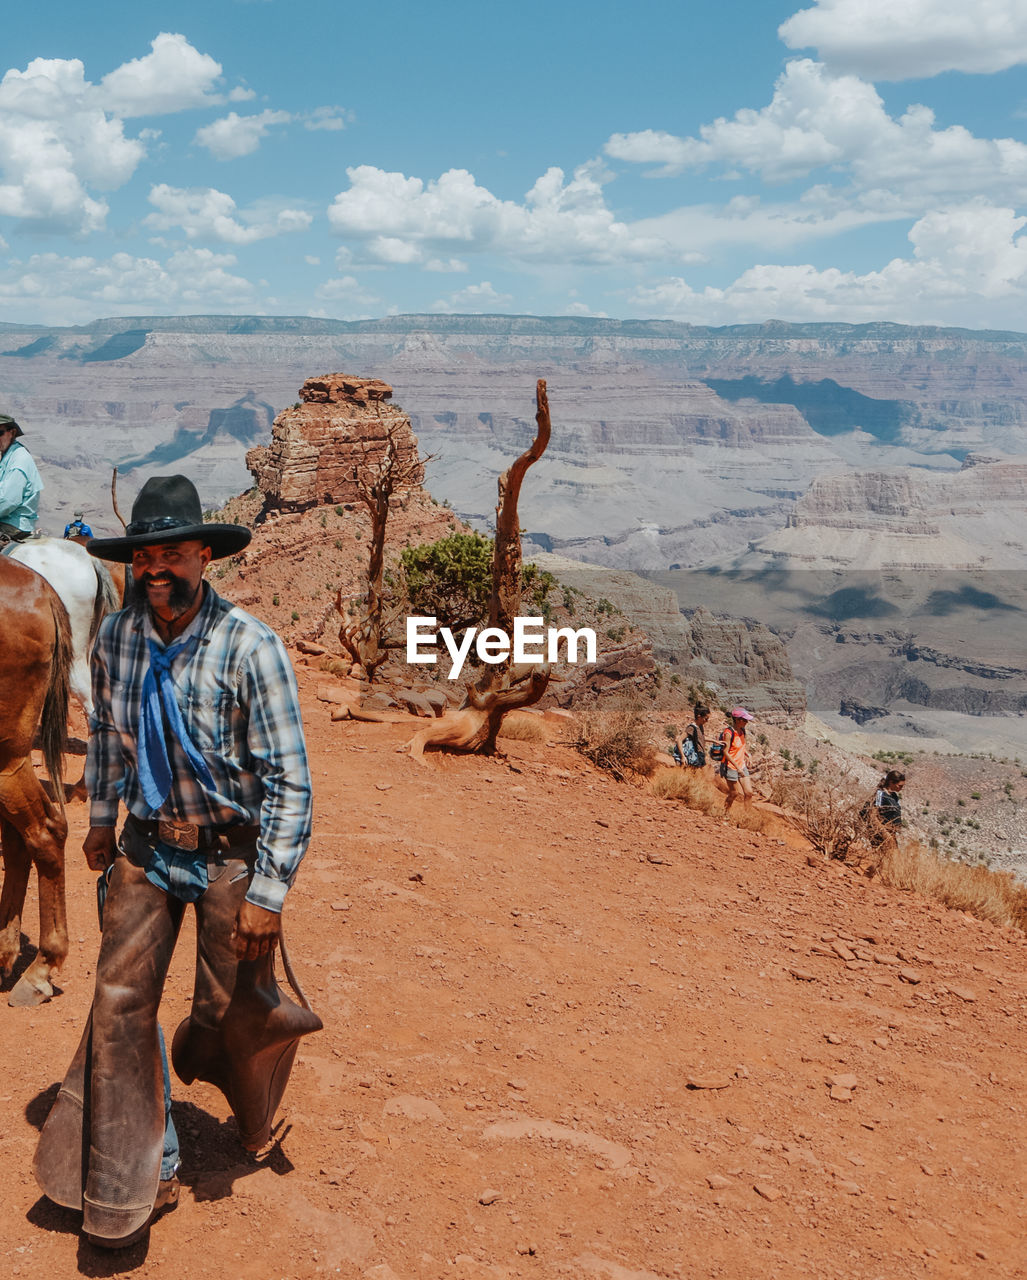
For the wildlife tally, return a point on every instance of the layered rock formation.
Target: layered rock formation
(741, 660)
(648, 466)
(340, 424)
(969, 519)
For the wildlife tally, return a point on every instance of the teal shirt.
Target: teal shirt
(20, 487)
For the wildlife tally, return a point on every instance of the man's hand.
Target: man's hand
(256, 931)
(100, 846)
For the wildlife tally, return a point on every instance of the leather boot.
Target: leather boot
(243, 1031)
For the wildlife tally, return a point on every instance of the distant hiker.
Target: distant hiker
(78, 527)
(20, 485)
(734, 768)
(691, 747)
(885, 812)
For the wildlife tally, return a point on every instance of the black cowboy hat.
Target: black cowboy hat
(168, 510)
(7, 421)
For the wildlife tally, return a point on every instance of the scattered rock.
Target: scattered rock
(708, 1082)
(963, 993)
(802, 975)
(717, 1181)
(909, 975)
(489, 1197)
(767, 1192)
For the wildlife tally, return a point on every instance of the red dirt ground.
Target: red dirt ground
(524, 968)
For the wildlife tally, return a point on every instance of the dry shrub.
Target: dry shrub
(989, 895)
(616, 738)
(335, 666)
(523, 727)
(829, 817)
(690, 785)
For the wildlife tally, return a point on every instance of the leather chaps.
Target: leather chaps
(100, 1148)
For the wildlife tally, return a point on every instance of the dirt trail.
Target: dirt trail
(524, 970)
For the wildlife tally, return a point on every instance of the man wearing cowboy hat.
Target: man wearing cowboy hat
(197, 732)
(20, 485)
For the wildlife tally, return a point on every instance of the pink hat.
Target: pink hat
(740, 713)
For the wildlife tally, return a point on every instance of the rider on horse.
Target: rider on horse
(20, 485)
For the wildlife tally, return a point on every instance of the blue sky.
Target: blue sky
(839, 160)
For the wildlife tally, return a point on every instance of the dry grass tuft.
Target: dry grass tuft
(690, 785)
(616, 738)
(751, 818)
(334, 666)
(523, 727)
(989, 895)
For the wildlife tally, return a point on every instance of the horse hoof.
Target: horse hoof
(27, 995)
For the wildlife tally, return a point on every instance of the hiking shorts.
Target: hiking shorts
(733, 775)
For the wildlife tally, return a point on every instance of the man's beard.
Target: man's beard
(180, 598)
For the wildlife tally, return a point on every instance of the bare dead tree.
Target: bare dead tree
(380, 474)
(114, 498)
(502, 687)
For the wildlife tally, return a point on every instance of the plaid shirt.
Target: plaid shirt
(238, 697)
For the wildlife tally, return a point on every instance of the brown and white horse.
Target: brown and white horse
(35, 663)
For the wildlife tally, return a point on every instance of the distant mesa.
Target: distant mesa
(339, 423)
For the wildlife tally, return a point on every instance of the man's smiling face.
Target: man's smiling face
(167, 576)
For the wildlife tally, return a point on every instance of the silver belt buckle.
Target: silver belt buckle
(183, 835)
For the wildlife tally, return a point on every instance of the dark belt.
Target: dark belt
(191, 837)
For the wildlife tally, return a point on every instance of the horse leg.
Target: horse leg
(17, 864)
(41, 830)
(79, 683)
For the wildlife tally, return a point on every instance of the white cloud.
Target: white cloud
(311, 261)
(172, 77)
(582, 309)
(234, 135)
(50, 288)
(62, 137)
(446, 265)
(910, 39)
(969, 265)
(204, 213)
(394, 250)
(349, 290)
(476, 298)
(819, 119)
(332, 119)
(565, 221)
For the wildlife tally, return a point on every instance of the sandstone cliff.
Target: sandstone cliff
(340, 423)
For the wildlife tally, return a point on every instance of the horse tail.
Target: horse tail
(53, 727)
(106, 600)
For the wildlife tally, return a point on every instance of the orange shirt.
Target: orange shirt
(736, 755)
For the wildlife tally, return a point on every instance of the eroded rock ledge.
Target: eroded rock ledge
(339, 423)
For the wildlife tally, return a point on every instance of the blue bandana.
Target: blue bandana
(159, 691)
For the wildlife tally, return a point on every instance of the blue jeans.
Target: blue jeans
(170, 1157)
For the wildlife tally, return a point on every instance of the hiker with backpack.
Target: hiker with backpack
(884, 812)
(691, 747)
(734, 766)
